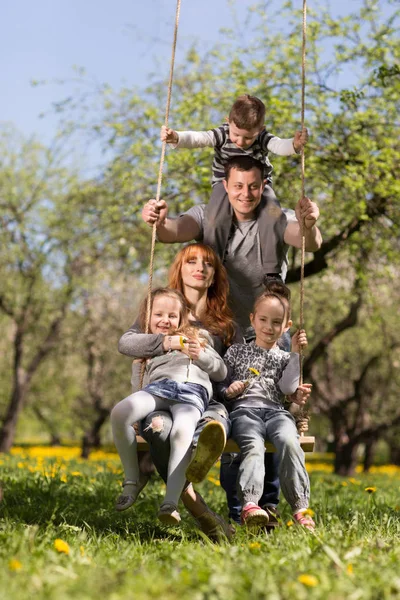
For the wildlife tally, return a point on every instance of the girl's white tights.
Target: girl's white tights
(135, 408)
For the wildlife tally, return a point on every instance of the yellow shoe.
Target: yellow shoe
(210, 445)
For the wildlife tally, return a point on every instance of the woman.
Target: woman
(198, 273)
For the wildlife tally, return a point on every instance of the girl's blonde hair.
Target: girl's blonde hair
(184, 327)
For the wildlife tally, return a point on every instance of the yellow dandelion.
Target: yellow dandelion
(76, 474)
(254, 371)
(309, 512)
(14, 565)
(308, 580)
(344, 483)
(63, 478)
(290, 523)
(354, 481)
(213, 480)
(61, 546)
(370, 490)
(255, 546)
(349, 569)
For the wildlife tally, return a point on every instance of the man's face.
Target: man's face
(244, 189)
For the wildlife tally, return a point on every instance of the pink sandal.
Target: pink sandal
(304, 520)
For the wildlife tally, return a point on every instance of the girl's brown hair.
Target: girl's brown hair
(218, 319)
(275, 289)
(184, 326)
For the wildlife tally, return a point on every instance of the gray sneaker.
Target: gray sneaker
(125, 501)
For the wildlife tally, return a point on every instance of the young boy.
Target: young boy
(243, 134)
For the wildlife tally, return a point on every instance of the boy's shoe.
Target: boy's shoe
(304, 520)
(274, 517)
(210, 445)
(168, 514)
(126, 500)
(214, 526)
(254, 516)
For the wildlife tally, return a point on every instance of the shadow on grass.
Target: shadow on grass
(44, 501)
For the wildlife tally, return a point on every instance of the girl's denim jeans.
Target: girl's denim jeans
(250, 428)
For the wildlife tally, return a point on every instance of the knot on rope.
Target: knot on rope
(302, 423)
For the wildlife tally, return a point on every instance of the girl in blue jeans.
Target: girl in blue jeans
(260, 374)
(177, 381)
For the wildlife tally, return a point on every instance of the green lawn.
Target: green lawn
(60, 538)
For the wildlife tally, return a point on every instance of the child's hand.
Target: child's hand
(300, 140)
(235, 389)
(172, 342)
(302, 394)
(169, 135)
(299, 340)
(192, 348)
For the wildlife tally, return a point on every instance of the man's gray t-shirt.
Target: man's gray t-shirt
(242, 261)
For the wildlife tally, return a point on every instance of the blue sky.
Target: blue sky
(118, 42)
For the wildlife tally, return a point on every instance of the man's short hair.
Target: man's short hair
(247, 112)
(243, 163)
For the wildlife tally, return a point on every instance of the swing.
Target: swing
(302, 416)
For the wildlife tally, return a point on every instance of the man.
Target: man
(252, 236)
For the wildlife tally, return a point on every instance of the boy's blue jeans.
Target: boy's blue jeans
(250, 428)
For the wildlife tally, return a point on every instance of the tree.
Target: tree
(50, 233)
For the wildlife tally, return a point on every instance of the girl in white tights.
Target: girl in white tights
(177, 380)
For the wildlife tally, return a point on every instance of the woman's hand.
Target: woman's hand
(235, 389)
(302, 394)
(299, 340)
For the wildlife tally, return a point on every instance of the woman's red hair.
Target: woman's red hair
(218, 319)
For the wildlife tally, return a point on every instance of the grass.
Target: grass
(60, 538)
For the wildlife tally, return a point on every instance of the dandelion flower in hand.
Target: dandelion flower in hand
(254, 371)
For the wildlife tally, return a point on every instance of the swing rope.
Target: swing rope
(160, 172)
(302, 417)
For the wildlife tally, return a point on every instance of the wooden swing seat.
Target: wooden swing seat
(307, 442)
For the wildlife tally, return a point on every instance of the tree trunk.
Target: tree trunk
(395, 455)
(91, 439)
(346, 458)
(55, 439)
(369, 454)
(8, 429)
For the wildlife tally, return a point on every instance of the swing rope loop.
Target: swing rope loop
(302, 417)
(160, 171)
